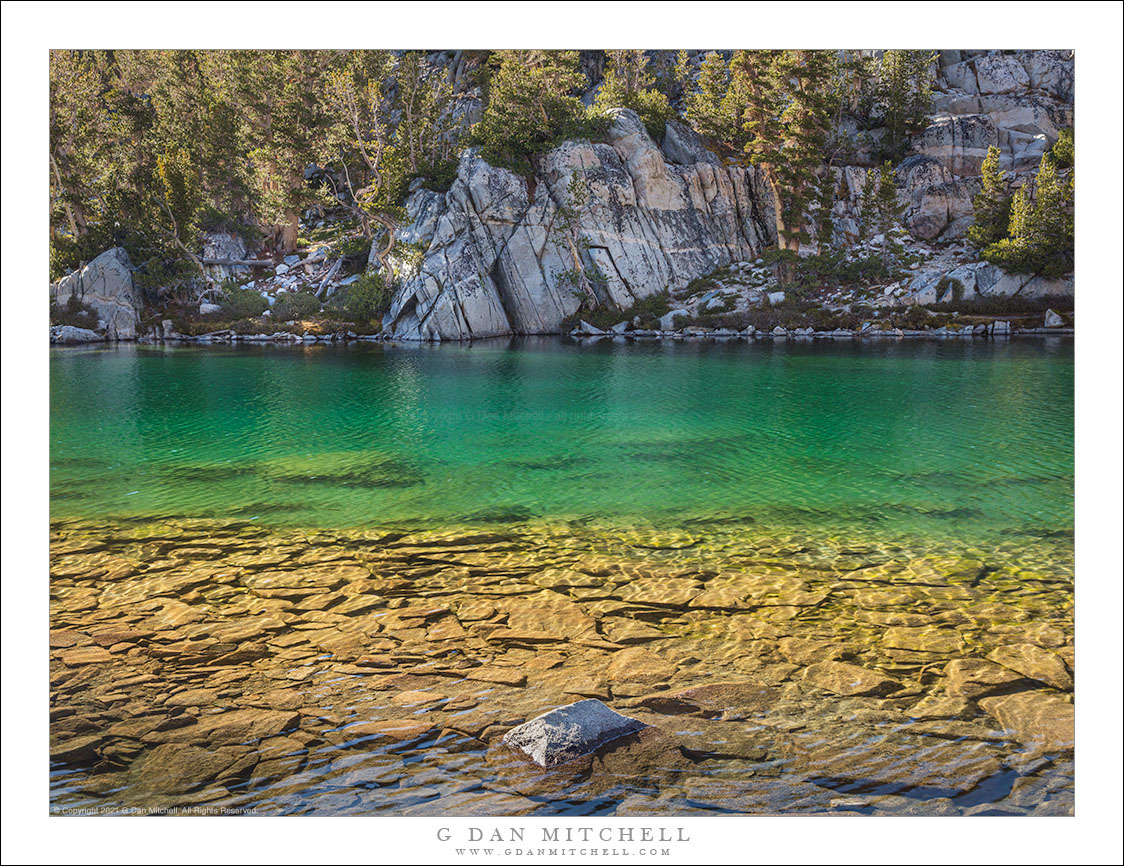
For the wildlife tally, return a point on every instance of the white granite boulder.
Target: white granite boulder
(106, 285)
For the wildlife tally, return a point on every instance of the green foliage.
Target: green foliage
(423, 101)
(1041, 228)
(584, 277)
(649, 309)
(786, 101)
(628, 83)
(167, 280)
(295, 305)
(913, 319)
(1009, 306)
(903, 97)
(364, 300)
(821, 214)
(74, 312)
(992, 204)
(714, 105)
(1062, 151)
(829, 269)
(351, 247)
(411, 254)
(946, 283)
(239, 303)
(531, 107)
(882, 214)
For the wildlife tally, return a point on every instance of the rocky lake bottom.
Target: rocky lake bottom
(224, 665)
(828, 579)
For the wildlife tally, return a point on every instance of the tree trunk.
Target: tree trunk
(70, 217)
(288, 232)
(579, 273)
(383, 255)
(786, 270)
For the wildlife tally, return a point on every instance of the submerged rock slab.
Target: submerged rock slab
(570, 732)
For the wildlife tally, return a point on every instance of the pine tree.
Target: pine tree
(706, 110)
(992, 204)
(423, 101)
(1041, 227)
(880, 195)
(629, 83)
(365, 139)
(1063, 150)
(278, 97)
(786, 103)
(904, 95)
(825, 199)
(530, 107)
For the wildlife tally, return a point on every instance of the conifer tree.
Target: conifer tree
(904, 95)
(786, 103)
(705, 111)
(278, 97)
(629, 83)
(992, 204)
(423, 100)
(531, 106)
(365, 140)
(880, 195)
(1041, 228)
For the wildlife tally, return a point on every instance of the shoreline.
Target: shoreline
(802, 334)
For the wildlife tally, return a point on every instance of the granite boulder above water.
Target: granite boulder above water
(569, 732)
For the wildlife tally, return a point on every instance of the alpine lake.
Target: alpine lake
(832, 577)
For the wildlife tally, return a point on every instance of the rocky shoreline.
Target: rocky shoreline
(69, 335)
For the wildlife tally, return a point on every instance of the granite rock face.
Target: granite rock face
(570, 732)
(497, 260)
(106, 285)
(1017, 101)
(71, 334)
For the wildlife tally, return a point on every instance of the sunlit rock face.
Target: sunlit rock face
(653, 219)
(105, 285)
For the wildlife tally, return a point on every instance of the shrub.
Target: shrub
(628, 83)
(531, 107)
(239, 303)
(648, 309)
(1002, 305)
(295, 305)
(74, 312)
(365, 299)
(913, 319)
(945, 283)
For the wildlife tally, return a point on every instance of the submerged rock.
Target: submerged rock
(570, 732)
(1034, 662)
(1037, 719)
(849, 680)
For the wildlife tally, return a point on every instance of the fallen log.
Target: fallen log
(249, 263)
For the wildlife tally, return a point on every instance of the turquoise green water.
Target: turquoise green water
(948, 438)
